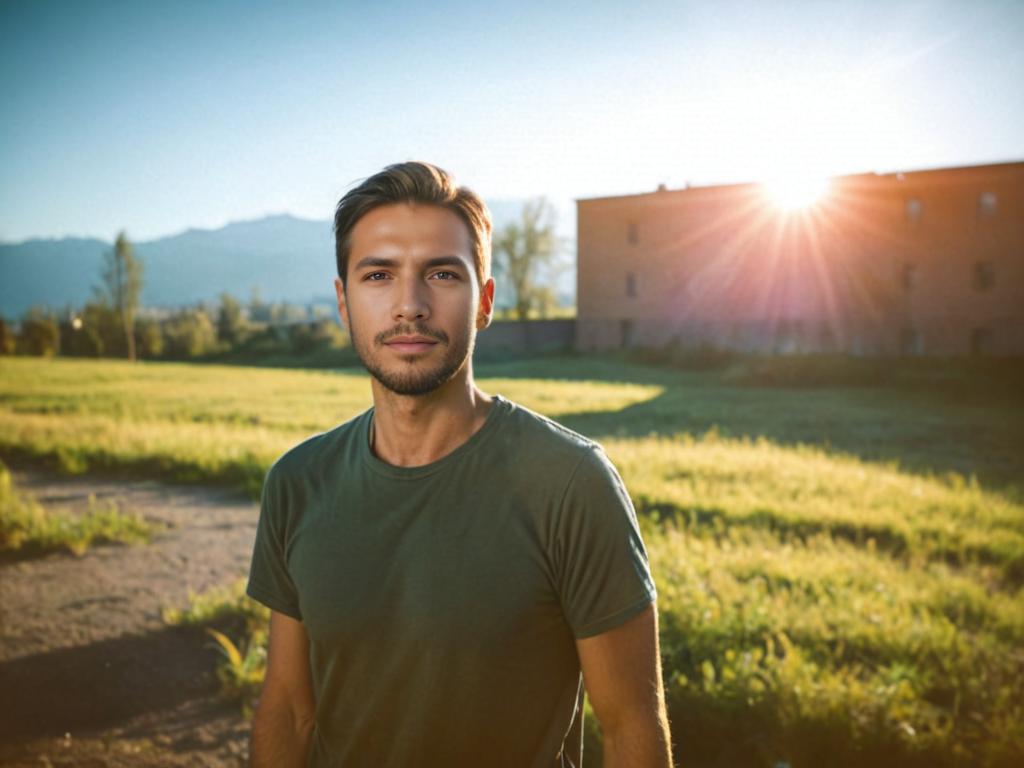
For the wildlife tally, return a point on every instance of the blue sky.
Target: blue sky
(155, 117)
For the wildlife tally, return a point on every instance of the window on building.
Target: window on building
(981, 342)
(909, 277)
(987, 203)
(914, 209)
(632, 233)
(630, 284)
(984, 275)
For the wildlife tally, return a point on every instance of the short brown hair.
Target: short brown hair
(414, 182)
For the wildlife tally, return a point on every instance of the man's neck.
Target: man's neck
(410, 431)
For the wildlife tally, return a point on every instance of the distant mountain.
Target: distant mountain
(282, 257)
(52, 272)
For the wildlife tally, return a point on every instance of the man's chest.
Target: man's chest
(458, 576)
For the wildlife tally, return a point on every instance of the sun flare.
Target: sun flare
(796, 193)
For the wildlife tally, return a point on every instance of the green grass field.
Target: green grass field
(839, 566)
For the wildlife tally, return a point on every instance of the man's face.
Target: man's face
(411, 302)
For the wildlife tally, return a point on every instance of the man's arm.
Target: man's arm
(282, 726)
(622, 675)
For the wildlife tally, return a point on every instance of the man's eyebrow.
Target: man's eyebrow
(437, 261)
(445, 261)
(374, 261)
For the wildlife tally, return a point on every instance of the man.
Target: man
(441, 568)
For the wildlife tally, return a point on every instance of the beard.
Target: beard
(412, 375)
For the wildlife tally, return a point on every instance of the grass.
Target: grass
(27, 529)
(243, 662)
(839, 565)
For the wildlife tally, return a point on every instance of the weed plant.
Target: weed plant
(223, 612)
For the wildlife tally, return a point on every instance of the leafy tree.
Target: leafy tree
(121, 287)
(7, 338)
(189, 333)
(102, 331)
(232, 327)
(40, 334)
(79, 338)
(150, 337)
(522, 247)
(318, 335)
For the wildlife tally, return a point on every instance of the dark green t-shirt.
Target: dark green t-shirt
(442, 602)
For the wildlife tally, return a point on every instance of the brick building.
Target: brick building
(923, 262)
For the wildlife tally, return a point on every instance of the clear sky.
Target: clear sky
(155, 117)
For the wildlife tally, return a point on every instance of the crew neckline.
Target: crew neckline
(499, 407)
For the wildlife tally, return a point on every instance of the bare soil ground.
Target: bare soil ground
(89, 673)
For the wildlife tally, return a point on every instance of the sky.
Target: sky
(158, 117)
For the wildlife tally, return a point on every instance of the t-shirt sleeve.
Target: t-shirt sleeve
(270, 582)
(600, 561)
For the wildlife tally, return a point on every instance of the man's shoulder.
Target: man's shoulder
(533, 435)
(317, 453)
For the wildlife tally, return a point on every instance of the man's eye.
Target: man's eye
(376, 276)
(446, 275)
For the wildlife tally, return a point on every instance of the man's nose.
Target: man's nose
(412, 302)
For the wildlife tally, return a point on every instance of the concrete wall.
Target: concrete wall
(517, 337)
(928, 262)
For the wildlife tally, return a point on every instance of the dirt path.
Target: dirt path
(89, 673)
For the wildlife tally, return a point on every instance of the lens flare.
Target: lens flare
(795, 192)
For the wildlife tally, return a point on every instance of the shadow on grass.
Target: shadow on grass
(927, 420)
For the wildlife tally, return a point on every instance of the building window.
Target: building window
(981, 342)
(632, 233)
(909, 277)
(984, 275)
(630, 284)
(914, 209)
(987, 202)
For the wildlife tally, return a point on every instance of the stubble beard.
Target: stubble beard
(416, 379)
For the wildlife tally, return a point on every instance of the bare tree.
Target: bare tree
(522, 247)
(121, 287)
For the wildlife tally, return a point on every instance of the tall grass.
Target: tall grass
(26, 528)
(215, 424)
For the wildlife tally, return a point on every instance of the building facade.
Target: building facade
(923, 262)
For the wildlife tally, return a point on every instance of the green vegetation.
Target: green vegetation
(28, 529)
(839, 566)
(203, 423)
(243, 664)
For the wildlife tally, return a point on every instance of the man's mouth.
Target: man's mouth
(411, 344)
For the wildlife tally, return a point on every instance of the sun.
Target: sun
(794, 193)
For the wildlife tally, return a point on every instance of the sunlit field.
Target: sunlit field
(839, 568)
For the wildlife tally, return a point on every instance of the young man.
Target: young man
(442, 568)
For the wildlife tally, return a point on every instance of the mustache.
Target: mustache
(417, 329)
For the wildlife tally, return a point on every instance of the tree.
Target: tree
(189, 333)
(122, 284)
(232, 327)
(522, 247)
(40, 334)
(150, 336)
(7, 338)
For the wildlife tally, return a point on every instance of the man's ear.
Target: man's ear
(339, 289)
(486, 309)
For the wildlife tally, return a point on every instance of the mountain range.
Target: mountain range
(282, 258)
